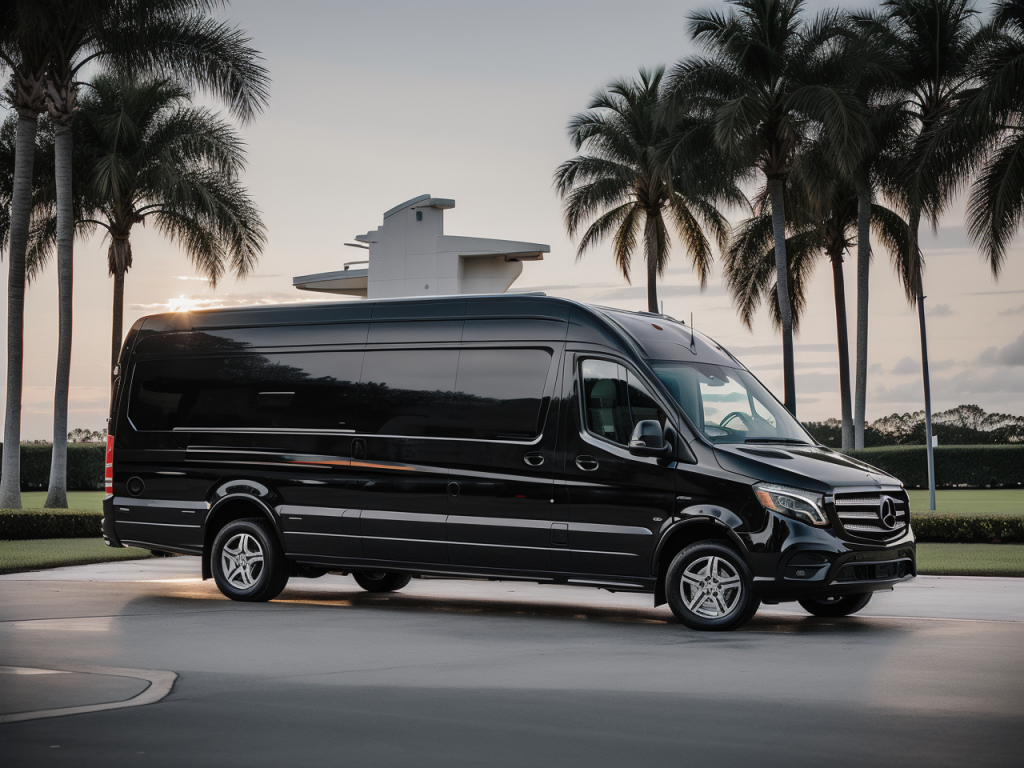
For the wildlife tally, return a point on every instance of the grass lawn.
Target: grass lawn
(980, 503)
(970, 559)
(53, 553)
(85, 501)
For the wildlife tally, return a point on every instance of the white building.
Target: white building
(409, 255)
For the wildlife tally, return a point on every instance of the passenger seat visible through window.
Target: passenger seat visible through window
(615, 400)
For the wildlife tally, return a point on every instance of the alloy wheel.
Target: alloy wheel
(711, 587)
(241, 561)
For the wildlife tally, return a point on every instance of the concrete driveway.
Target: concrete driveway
(471, 673)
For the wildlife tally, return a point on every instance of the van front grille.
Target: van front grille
(874, 516)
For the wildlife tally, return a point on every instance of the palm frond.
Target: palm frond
(996, 203)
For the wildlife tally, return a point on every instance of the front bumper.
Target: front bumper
(801, 561)
(107, 526)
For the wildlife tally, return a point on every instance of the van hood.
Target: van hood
(813, 467)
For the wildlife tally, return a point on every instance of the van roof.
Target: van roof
(653, 336)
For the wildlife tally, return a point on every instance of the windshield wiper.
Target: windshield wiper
(790, 440)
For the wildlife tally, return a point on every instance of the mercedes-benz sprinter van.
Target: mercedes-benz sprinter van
(502, 437)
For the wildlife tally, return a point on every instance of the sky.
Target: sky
(375, 103)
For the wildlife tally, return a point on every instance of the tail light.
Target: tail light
(108, 468)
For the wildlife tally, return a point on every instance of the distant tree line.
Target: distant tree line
(963, 425)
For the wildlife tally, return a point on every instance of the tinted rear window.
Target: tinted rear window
(500, 393)
(407, 392)
(478, 393)
(316, 390)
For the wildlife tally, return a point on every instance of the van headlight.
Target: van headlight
(798, 504)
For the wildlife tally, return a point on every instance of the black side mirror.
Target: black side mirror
(649, 440)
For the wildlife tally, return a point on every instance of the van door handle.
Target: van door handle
(587, 463)
(534, 459)
(358, 449)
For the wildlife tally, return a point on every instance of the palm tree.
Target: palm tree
(875, 84)
(143, 152)
(622, 184)
(986, 133)
(175, 38)
(768, 81)
(24, 53)
(936, 40)
(824, 222)
(887, 129)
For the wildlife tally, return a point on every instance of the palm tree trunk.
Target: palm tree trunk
(651, 255)
(915, 219)
(863, 265)
(839, 286)
(926, 377)
(118, 324)
(21, 209)
(775, 188)
(56, 495)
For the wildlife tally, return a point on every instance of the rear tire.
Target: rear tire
(247, 561)
(381, 581)
(710, 588)
(835, 606)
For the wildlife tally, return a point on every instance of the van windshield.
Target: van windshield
(728, 404)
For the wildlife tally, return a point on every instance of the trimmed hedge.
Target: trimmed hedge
(85, 466)
(956, 466)
(968, 530)
(22, 524)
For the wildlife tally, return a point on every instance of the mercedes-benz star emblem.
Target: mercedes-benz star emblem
(887, 513)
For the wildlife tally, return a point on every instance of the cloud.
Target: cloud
(905, 366)
(1010, 355)
(664, 291)
(1012, 311)
(946, 239)
(958, 388)
(940, 310)
(909, 365)
(875, 368)
(817, 382)
(828, 365)
(776, 349)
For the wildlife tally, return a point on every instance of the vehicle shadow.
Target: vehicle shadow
(522, 605)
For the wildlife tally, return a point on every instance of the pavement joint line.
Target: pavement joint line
(160, 684)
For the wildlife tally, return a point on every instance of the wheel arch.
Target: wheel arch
(681, 535)
(234, 506)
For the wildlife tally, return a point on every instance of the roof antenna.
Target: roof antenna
(693, 343)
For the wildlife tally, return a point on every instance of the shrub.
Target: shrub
(22, 524)
(956, 466)
(968, 530)
(85, 466)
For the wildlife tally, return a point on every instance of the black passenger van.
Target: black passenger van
(504, 437)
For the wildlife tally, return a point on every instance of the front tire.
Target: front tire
(381, 581)
(835, 606)
(710, 588)
(247, 561)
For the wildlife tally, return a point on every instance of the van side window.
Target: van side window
(499, 393)
(407, 392)
(614, 400)
(315, 390)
